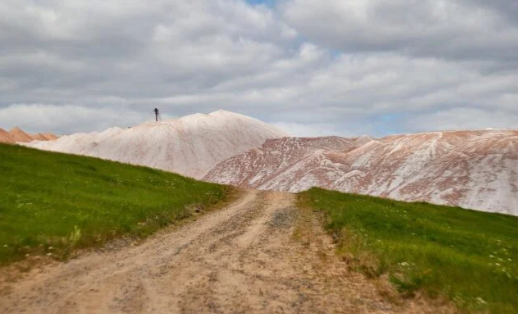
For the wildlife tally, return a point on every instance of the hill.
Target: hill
(467, 256)
(5, 137)
(52, 203)
(472, 169)
(50, 136)
(39, 137)
(17, 135)
(190, 146)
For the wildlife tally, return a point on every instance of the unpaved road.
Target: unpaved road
(242, 259)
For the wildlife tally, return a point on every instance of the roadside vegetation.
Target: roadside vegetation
(52, 204)
(467, 256)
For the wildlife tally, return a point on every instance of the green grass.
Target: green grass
(54, 203)
(467, 256)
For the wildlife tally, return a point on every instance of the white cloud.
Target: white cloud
(299, 129)
(66, 119)
(463, 119)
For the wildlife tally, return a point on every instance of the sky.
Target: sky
(310, 67)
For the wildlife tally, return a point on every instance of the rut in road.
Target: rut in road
(241, 259)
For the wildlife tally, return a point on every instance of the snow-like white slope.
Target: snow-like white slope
(472, 169)
(191, 145)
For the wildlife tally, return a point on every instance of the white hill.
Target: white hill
(190, 145)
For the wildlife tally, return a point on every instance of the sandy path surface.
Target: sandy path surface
(242, 259)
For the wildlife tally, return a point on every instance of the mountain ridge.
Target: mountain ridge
(17, 135)
(473, 169)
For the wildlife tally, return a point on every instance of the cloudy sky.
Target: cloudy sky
(312, 67)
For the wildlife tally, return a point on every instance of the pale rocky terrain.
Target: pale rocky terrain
(471, 169)
(190, 145)
(17, 135)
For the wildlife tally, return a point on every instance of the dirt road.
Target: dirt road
(242, 259)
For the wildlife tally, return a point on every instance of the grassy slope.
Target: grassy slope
(54, 203)
(468, 256)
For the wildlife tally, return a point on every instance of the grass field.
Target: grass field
(467, 256)
(54, 203)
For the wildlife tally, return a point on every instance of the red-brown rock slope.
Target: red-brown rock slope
(5, 137)
(17, 135)
(472, 169)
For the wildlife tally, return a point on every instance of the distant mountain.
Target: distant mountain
(472, 169)
(191, 145)
(39, 137)
(17, 135)
(5, 137)
(50, 136)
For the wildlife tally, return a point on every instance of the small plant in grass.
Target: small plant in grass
(75, 236)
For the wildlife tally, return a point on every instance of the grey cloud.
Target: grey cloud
(505, 8)
(108, 47)
(457, 29)
(80, 65)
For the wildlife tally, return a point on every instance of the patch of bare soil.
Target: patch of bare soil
(242, 259)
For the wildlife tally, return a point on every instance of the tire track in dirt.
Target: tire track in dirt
(241, 259)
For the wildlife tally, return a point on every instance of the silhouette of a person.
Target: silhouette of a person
(156, 113)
